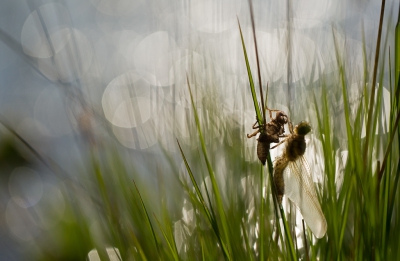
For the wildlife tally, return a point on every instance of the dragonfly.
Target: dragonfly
(270, 132)
(292, 177)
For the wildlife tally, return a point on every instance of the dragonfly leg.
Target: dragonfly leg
(277, 144)
(253, 134)
(255, 127)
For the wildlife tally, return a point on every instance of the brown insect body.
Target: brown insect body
(269, 133)
(295, 147)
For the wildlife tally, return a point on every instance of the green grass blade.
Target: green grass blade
(225, 240)
(170, 241)
(246, 241)
(288, 235)
(209, 212)
(345, 101)
(148, 221)
(372, 95)
(252, 88)
(253, 27)
(345, 214)
(197, 189)
(262, 212)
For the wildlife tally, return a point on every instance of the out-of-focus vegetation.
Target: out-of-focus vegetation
(208, 197)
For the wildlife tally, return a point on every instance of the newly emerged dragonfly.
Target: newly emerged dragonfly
(292, 177)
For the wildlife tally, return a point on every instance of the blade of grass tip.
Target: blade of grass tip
(252, 88)
(209, 212)
(372, 94)
(52, 166)
(170, 242)
(148, 221)
(196, 187)
(213, 180)
(257, 59)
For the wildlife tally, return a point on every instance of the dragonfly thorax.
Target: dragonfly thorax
(295, 147)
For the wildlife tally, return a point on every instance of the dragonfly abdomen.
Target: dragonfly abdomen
(280, 165)
(262, 151)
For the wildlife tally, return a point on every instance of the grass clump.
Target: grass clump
(218, 204)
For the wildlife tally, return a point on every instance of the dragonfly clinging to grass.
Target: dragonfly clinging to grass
(270, 132)
(292, 177)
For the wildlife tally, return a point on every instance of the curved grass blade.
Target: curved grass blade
(148, 221)
(252, 88)
(226, 241)
(170, 242)
(246, 241)
(269, 161)
(372, 97)
(257, 59)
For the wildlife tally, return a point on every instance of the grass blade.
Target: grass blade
(252, 88)
(148, 221)
(170, 242)
(372, 97)
(257, 59)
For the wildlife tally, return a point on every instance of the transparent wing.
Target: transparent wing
(299, 188)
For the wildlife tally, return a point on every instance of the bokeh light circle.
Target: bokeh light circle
(34, 34)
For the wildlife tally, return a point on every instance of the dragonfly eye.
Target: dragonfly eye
(303, 128)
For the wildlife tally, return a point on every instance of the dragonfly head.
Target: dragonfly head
(281, 117)
(302, 128)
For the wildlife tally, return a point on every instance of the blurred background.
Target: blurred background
(108, 77)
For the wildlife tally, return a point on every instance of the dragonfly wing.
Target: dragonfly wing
(299, 188)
